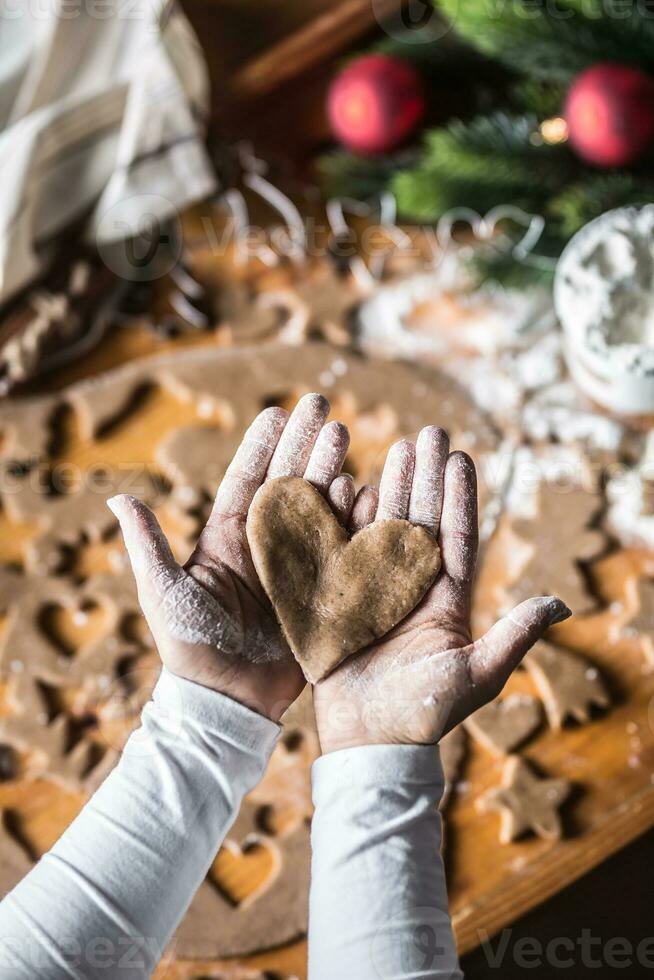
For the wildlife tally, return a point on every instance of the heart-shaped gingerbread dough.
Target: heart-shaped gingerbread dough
(333, 595)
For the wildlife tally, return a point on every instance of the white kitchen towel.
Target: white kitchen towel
(103, 105)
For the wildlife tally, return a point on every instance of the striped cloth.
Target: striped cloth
(102, 110)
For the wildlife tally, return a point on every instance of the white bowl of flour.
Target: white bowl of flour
(604, 298)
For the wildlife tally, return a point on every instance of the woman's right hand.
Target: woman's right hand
(210, 618)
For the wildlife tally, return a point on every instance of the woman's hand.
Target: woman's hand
(427, 675)
(210, 618)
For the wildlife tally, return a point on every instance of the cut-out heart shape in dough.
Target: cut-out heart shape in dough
(333, 595)
(71, 628)
(242, 874)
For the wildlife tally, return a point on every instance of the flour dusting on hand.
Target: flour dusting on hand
(176, 603)
(328, 455)
(396, 480)
(248, 468)
(302, 430)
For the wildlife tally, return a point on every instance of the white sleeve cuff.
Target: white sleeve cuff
(184, 702)
(413, 766)
(378, 905)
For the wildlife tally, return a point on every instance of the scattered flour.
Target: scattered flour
(560, 465)
(630, 493)
(557, 412)
(539, 365)
(432, 312)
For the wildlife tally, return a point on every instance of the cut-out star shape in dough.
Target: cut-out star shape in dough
(526, 802)
(31, 730)
(569, 685)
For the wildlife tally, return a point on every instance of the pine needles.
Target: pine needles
(503, 157)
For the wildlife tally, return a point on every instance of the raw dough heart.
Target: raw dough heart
(333, 594)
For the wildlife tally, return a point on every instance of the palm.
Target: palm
(222, 566)
(415, 682)
(222, 563)
(427, 675)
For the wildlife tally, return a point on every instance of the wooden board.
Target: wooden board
(255, 47)
(610, 761)
(490, 884)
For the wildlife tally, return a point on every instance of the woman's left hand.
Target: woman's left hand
(427, 674)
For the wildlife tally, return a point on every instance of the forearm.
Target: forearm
(113, 889)
(378, 906)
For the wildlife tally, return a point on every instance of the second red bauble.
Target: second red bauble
(375, 103)
(610, 114)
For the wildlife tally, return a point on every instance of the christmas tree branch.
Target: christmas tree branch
(552, 39)
(491, 160)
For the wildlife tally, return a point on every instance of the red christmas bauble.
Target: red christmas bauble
(610, 114)
(375, 103)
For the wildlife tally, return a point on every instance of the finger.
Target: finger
(247, 470)
(458, 528)
(395, 484)
(425, 504)
(341, 497)
(365, 508)
(328, 456)
(302, 429)
(498, 653)
(152, 561)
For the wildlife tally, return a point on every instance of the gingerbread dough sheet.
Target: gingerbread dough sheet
(74, 692)
(183, 415)
(334, 595)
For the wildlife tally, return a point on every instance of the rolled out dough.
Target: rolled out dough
(333, 595)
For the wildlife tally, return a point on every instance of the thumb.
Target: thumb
(151, 558)
(496, 655)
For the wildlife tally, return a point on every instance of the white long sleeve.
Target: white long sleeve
(106, 899)
(378, 904)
